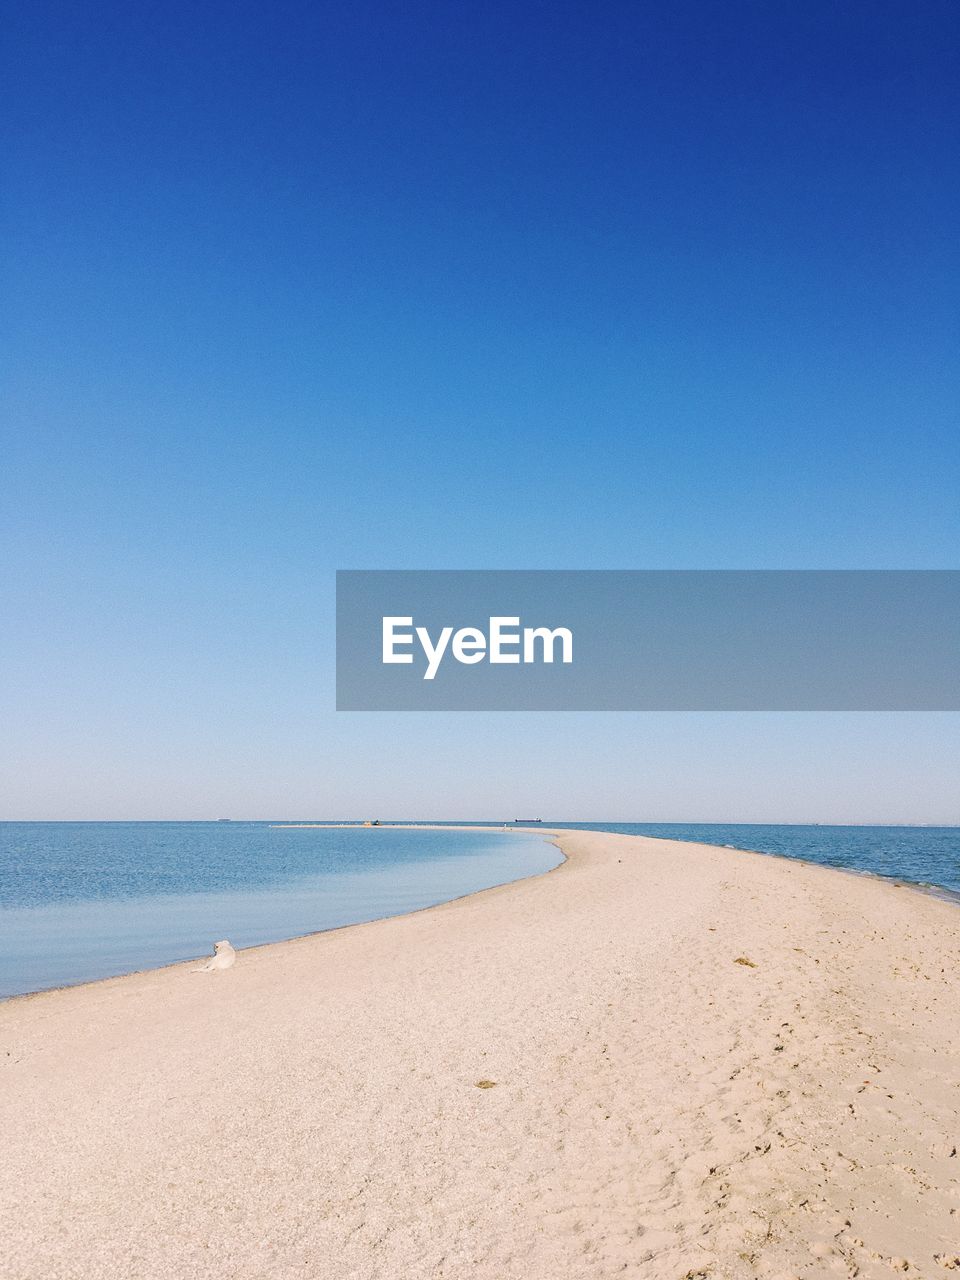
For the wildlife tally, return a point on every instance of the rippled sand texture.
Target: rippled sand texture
(694, 1062)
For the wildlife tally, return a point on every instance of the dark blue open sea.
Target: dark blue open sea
(87, 900)
(925, 856)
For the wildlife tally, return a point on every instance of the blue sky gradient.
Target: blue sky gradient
(293, 288)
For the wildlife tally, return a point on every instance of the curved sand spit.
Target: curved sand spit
(657, 1109)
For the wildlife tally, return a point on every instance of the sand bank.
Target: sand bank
(658, 1060)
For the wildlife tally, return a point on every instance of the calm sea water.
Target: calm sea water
(927, 856)
(88, 900)
(924, 856)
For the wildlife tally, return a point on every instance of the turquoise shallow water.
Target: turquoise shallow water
(80, 901)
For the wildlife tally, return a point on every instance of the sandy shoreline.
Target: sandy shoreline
(658, 1106)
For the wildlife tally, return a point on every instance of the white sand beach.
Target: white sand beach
(658, 1060)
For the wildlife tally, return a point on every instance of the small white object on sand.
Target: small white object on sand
(223, 957)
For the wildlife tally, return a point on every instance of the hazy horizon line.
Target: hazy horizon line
(531, 822)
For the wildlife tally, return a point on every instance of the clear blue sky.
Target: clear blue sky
(294, 287)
